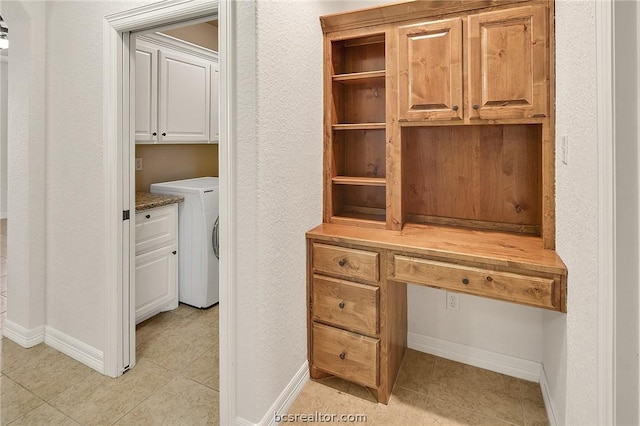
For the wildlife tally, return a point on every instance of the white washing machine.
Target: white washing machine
(197, 241)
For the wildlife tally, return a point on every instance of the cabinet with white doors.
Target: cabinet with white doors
(156, 278)
(176, 92)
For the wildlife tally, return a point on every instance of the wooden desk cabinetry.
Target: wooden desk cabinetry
(439, 170)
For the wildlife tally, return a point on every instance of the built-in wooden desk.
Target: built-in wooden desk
(357, 292)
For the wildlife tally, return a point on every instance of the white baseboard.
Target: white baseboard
(548, 400)
(81, 352)
(284, 401)
(27, 338)
(500, 363)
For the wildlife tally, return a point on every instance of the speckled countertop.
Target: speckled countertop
(147, 200)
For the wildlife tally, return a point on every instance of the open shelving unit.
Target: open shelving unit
(355, 182)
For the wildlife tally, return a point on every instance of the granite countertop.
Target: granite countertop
(147, 200)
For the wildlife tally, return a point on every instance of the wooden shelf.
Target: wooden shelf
(363, 181)
(360, 126)
(363, 220)
(359, 77)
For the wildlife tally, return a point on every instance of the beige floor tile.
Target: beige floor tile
(101, 400)
(350, 388)
(3, 319)
(51, 374)
(314, 397)
(185, 311)
(535, 413)
(147, 330)
(176, 348)
(180, 402)
(416, 371)
(15, 401)
(405, 408)
(14, 356)
(44, 415)
(444, 413)
(478, 390)
(206, 369)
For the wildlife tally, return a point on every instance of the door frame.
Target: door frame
(119, 182)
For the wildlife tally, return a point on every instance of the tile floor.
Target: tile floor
(432, 391)
(176, 383)
(3, 272)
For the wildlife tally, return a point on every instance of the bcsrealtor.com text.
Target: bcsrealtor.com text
(319, 417)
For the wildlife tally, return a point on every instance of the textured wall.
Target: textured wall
(76, 210)
(4, 97)
(26, 170)
(577, 214)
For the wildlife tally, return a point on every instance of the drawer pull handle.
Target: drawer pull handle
(341, 305)
(465, 281)
(148, 216)
(489, 278)
(343, 355)
(342, 262)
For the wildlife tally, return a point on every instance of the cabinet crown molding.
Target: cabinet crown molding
(182, 46)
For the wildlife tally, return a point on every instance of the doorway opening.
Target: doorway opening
(120, 162)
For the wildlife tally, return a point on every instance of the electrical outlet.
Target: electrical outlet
(453, 303)
(564, 149)
(138, 164)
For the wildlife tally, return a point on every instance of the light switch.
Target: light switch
(138, 164)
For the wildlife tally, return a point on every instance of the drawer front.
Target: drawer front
(498, 285)
(347, 355)
(346, 262)
(346, 304)
(156, 228)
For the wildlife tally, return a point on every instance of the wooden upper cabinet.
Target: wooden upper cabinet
(430, 70)
(508, 72)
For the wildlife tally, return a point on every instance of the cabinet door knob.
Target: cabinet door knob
(174, 252)
(465, 281)
(343, 355)
(155, 134)
(164, 134)
(148, 216)
(455, 107)
(341, 305)
(476, 106)
(342, 262)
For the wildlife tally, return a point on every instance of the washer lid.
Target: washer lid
(187, 184)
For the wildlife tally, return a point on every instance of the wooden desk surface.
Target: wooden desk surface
(499, 249)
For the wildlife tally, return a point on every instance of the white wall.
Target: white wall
(576, 218)
(26, 170)
(627, 212)
(4, 88)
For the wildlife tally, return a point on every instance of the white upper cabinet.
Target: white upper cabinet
(146, 93)
(184, 98)
(176, 93)
(214, 131)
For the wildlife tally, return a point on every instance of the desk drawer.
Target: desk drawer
(348, 355)
(350, 305)
(533, 291)
(346, 262)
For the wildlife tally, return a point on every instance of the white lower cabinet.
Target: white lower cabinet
(156, 261)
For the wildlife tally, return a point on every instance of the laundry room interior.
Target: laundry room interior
(176, 184)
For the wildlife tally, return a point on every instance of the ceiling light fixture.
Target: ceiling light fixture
(4, 34)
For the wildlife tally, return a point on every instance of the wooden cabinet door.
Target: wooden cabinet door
(184, 98)
(146, 93)
(508, 71)
(430, 70)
